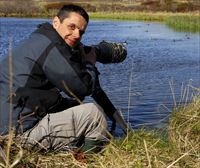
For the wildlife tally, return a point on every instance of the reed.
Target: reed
(184, 23)
(143, 16)
(184, 132)
(188, 22)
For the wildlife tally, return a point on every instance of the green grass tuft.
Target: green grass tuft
(184, 23)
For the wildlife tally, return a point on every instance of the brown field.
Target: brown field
(130, 5)
(44, 7)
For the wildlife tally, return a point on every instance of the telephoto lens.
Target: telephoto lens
(109, 52)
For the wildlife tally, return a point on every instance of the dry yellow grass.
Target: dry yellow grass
(178, 147)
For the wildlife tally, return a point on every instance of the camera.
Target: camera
(108, 52)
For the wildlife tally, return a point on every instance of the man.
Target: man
(50, 74)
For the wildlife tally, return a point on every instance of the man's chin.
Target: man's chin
(71, 44)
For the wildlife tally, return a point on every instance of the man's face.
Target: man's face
(71, 29)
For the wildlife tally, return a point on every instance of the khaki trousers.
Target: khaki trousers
(59, 130)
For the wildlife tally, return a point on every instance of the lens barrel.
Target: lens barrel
(108, 52)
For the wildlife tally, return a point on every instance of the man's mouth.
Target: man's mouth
(71, 42)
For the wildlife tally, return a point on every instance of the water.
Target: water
(160, 66)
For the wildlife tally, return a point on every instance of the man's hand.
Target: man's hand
(88, 54)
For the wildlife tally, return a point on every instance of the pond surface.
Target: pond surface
(162, 67)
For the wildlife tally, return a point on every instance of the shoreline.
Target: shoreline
(185, 21)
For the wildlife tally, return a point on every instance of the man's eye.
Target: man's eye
(71, 27)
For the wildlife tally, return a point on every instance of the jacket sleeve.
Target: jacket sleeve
(102, 99)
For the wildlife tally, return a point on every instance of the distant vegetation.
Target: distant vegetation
(182, 15)
(47, 7)
(189, 22)
(20, 8)
(186, 23)
(130, 5)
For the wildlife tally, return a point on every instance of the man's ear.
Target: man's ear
(56, 22)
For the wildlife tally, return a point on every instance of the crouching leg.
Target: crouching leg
(82, 127)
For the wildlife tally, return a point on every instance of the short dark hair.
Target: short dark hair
(66, 9)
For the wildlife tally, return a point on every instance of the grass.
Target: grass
(180, 148)
(189, 22)
(144, 16)
(184, 128)
(186, 23)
